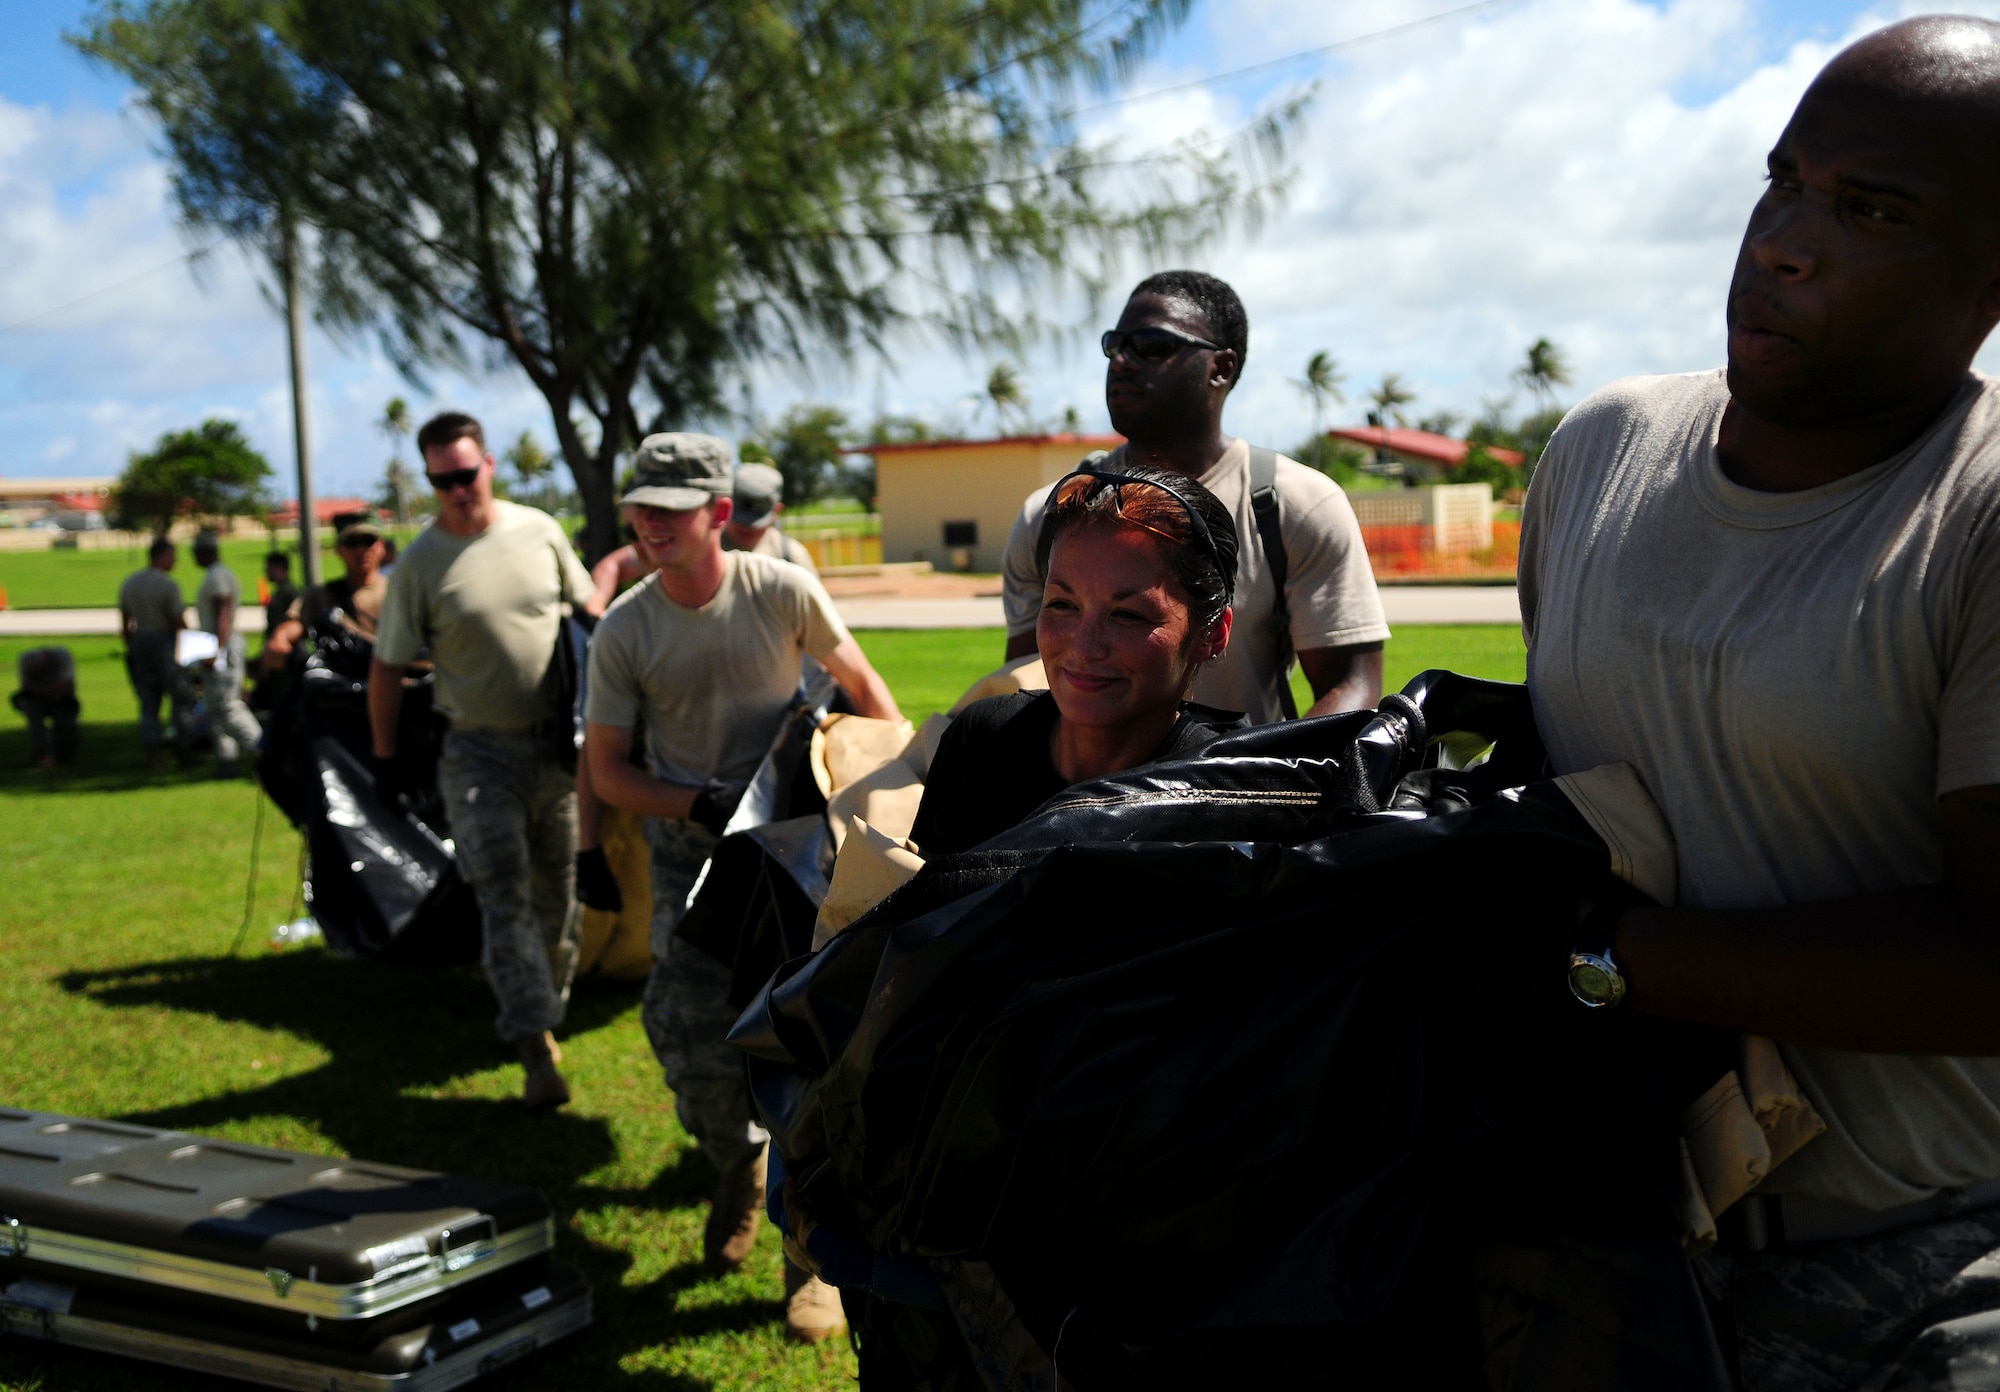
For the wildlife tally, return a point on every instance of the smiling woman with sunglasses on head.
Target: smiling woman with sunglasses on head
(1141, 567)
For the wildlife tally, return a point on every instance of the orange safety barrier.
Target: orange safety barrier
(1405, 553)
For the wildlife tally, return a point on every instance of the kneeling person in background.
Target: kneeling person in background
(708, 649)
(47, 699)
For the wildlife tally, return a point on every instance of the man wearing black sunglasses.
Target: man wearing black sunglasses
(482, 592)
(1303, 584)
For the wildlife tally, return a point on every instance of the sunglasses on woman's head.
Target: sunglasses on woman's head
(1150, 344)
(1081, 486)
(453, 478)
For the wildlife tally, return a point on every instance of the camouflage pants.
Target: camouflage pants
(687, 1010)
(1913, 1310)
(149, 661)
(513, 827)
(229, 720)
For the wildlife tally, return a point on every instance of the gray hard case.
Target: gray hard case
(110, 1203)
(472, 1333)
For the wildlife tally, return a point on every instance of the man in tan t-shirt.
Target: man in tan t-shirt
(1775, 593)
(1177, 353)
(707, 649)
(481, 593)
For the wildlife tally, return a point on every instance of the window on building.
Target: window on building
(961, 534)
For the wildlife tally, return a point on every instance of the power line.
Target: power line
(1357, 41)
(183, 258)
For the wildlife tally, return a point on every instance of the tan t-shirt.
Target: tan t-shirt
(153, 599)
(1796, 677)
(1328, 583)
(486, 607)
(714, 682)
(776, 544)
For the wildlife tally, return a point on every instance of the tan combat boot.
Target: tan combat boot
(733, 1215)
(812, 1307)
(542, 1088)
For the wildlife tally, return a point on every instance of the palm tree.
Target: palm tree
(395, 422)
(1321, 384)
(1543, 372)
(1005, 394)
(1390, 397)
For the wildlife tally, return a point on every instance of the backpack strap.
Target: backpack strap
(1264, 509)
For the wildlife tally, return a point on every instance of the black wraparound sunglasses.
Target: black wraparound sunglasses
(453, 478)
(1150, 344)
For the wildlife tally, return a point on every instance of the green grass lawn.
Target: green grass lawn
(124, 893)
(928, 668)
(90, 579)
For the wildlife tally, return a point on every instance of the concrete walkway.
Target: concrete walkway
(1405, 604)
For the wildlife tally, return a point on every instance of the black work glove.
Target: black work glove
(596, 886)
(715, 804)
(390, 784)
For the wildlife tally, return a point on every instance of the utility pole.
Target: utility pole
(295, 320)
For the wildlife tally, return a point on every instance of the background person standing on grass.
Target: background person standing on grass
(1774, 591)
(708, 651)
(215, 604)
(481, 591)
(150, 614)
(1175, 356)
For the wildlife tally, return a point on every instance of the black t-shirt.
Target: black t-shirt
(992, 768)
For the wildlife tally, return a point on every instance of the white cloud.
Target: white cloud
(1579, 169)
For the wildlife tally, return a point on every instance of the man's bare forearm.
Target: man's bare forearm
(1911, 971)
(616, 782)
(385, 706)
(589, 808)
(1343, 679)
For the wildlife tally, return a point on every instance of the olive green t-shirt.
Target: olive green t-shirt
(714, 682)
(486, 608)
(153, 599)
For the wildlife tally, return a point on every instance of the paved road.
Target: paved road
(1406, 604)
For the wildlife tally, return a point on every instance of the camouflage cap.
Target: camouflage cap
(359, 529)
(679, 471)
(759, 490)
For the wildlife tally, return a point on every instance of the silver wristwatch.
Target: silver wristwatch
(1595, 977)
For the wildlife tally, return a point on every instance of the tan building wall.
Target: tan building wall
(924, 489)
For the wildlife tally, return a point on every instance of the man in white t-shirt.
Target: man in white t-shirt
(1177, 353)
(707, 650)
(1775, 593)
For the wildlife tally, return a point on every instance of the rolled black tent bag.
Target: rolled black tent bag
(381, 881)
(1230, 1068)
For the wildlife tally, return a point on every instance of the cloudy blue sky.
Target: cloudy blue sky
(1572, 168)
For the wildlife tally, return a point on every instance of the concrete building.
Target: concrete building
(24, 500)
(952, 502)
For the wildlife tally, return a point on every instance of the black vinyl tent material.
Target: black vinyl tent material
(1234, 1066)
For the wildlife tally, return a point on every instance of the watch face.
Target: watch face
(1593, 981)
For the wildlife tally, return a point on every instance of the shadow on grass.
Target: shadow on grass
(390, 1032)
(109, 759)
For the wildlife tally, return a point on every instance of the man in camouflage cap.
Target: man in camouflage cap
(753, 525)
(707, 649)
